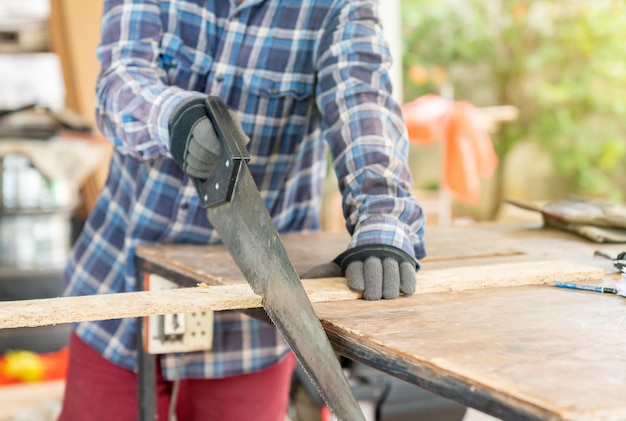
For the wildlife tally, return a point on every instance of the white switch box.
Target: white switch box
(183, 332)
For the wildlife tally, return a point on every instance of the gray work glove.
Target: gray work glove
(194, 145)
(378, 271)
(193, 142)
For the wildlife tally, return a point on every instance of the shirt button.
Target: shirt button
(219, 78)
(184, 205)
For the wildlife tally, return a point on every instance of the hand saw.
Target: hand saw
(238, 213)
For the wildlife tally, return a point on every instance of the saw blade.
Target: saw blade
(247, 229)
(239, 215)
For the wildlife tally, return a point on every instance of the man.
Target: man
(299, 76)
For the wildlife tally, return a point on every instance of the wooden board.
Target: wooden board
(517, 353)
(30, 313)
(446, 247)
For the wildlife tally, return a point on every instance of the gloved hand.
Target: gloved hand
(193, 142)
(378, 271)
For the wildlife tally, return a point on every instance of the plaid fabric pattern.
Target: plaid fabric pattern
(303, 76)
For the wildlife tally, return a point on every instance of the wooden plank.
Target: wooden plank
(30, 313)
(486, 244)
(213, 263)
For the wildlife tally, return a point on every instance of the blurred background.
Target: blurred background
(559, 63)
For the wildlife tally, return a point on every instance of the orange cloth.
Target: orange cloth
(469, 154)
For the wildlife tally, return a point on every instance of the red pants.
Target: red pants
(98, 390)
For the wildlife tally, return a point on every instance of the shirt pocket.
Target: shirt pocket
(289, 86)
(284, 104)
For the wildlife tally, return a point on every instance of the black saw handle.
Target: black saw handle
(217, 188)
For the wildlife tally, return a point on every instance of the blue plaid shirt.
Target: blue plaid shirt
(297, 73)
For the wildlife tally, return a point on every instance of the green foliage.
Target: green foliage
(561, 62)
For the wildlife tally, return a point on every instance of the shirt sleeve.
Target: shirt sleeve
(365, 130)
(133, 101)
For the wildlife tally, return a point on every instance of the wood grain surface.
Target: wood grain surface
(518, 353)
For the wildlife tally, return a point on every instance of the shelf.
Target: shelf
(30, 273)
(23, 36)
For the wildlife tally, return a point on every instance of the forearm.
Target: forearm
(132, 97)
(366, 133)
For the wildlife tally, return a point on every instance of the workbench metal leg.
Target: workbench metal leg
(146, 365)
(146, 378)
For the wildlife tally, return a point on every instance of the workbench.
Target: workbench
(485, 328)
(530, 352)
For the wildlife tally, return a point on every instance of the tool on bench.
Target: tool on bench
(586, 287)
(595, 220)
(238, 213)
(619, 261)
